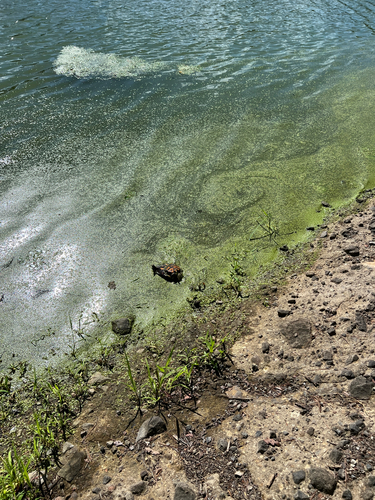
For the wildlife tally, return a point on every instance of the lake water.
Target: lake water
(137, 133)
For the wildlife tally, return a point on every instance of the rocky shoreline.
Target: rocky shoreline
(289, 414)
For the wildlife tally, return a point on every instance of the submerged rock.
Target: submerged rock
(123, 326)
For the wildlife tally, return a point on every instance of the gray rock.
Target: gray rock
(144, 475)
(336, 280)
(351, 359)
(310, 431)
(97, 378)
(371, 363)
(360, 322)
(343, 444)
(323, 481)
(73, 464)
(106, 479)
(184, 492)
(327, 355)
(222, 444)
(347, 495)
(262, 447)
(355, 429)
(371, 481)
(66, 446)
(300, 495)
(341, 474)
(138, 488)
(361, 388)
(347, 373)
(151, 427)
(265, 347)
(368, 495)
(123, 326)
(352, 250)
(297, 333)
(299, 476)
(335, 455)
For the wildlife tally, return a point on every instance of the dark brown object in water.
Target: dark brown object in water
(169, 272)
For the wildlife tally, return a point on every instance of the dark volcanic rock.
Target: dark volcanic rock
(300, 495)
(361, 388)
(335, 455)
(298, 333)
(351, 359)
(355, 428)
(183, 492)
(352, 250)
(138, 488)
(323, 481)
(151, 427)
(123, 326)
(262, 447)
(298, 476)
(265, 347)
(347, 495)
(347, 373)
(336, 280)
(283, 313)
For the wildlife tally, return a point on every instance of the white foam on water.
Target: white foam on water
(85, 63)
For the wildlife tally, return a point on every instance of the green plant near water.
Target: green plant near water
(268, 227)
(162, 379)
(236, 271)
(44, 445)
(214, 352)
(59, 397)
(5, 384)
(14, 476)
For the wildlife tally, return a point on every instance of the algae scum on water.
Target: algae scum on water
(137, 135)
